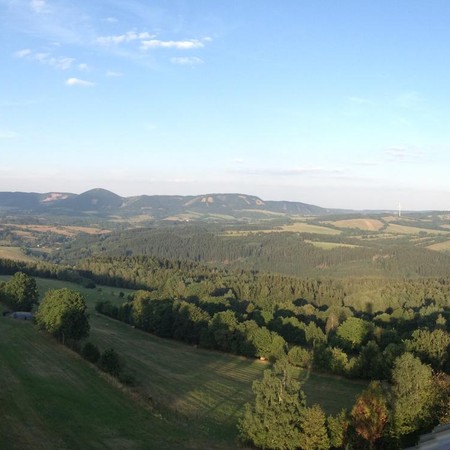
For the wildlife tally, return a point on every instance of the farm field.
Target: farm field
(404, 229)
(194, 389)
(14, 253)
(361, 224)
(329, 245)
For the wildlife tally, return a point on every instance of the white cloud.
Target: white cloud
(22, 53)
(60, 62)
(186, 60)
(83, 67)
(129, 36)
(78, 82)
(180, 45)
(111, 73)
(110, 19)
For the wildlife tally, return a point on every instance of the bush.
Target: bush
(90, 352)
(299, 357)
(110, 362)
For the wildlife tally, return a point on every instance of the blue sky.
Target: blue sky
(340, 104)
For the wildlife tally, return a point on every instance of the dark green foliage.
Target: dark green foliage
(20, 292)
(111, 363)
(299, 357)
(314, 434)
(413, 395)
(337, 429)
(90, 352)
(430, 346)
(275, 419)
(63, 313)
(353, 332)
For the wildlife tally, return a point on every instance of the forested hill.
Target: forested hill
(104, 203)
(286, 253)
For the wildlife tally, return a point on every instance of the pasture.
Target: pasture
(198, 393)
(361, 224)
(14, 253)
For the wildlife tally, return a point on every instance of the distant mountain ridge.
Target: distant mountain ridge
(102, 202)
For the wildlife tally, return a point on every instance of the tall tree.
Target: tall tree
(274, 421)
(314, 435)
(63, 314)
(413, 394)
(21, 292)
(370, 413)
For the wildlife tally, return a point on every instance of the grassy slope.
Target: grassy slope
(51, 399)
(194, 389)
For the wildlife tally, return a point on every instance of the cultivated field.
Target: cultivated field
(361, 224)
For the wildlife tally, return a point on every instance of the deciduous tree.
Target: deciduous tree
(63, 314)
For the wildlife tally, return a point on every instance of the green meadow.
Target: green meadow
(185, 397)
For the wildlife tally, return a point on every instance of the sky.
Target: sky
(342, 104)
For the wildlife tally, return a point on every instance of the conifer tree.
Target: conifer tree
(274, 421)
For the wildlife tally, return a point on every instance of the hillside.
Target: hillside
(103, 203)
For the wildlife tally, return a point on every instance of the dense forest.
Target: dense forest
(287, 253)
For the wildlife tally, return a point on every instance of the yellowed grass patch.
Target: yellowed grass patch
(440, 246)
(403, 229)
(14, 253)
(330, 245)
(361, 224)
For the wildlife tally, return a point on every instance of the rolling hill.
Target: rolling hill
(104, 203)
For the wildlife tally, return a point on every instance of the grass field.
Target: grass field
(199, 392)
(361, 224)
(403, 229)
(50, 399)
(14, 253)
(330, 245)
(440, 246)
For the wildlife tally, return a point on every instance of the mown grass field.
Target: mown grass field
(199, 393)
(52, 399)
(404, 229)
(14, 253)
(329, 245)
(361, 224)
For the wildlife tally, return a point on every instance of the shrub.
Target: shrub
(110, 362)
(90, 352)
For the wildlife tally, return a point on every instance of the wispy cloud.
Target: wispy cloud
(110, 20)
(83, 67)
(59, 62)
(186, 60)
(359, 100)
(22, 53)
(129, 36)
(404, 154)
(408, 100)
(180, 45)
(78, 82)
(39, 6)
(112, 74)
(288, 172)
